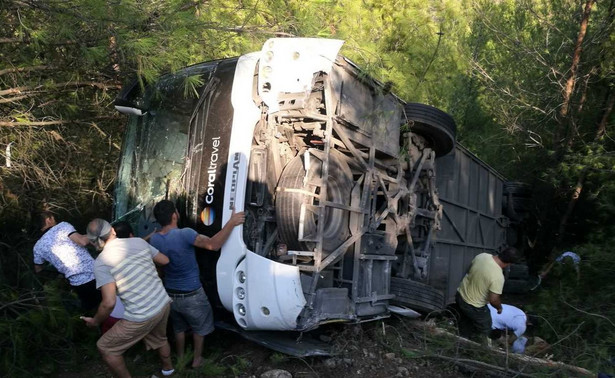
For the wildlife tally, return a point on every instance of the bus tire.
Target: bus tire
(288, 203)
(416, 295)
(433, 124)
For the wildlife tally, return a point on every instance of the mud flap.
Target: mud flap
(403, 311)
(287, 342)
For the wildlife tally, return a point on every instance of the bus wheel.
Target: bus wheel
(434, 125)
(292, 195)
(416, 295)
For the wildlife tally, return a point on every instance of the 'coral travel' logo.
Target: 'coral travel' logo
(208, 215)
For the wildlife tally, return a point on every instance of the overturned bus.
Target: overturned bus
(337, 177)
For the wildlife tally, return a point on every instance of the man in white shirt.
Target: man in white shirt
(563, 259)
(64, 248)
(512, 319)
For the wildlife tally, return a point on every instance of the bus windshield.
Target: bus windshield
(153, 162)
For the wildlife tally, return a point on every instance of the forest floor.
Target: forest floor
(394, 347)
(361, 350)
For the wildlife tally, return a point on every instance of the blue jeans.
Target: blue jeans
(192, 311)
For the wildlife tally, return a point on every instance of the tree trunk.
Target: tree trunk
(564, 119)
(425, 330)
(574, 198)
(569, 87)
(605, 117)
(115, 63)
(573, 131)
(578, 189)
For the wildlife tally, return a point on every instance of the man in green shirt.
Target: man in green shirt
(481, 285)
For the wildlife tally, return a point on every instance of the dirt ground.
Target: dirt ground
(377, 349)
(393, 347)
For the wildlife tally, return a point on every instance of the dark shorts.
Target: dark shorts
(480, 317)
(89, 296)
(192, 311)
(125, 334)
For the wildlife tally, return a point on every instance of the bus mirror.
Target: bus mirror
(130, 100)
(129, 110)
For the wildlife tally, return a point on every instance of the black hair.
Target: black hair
(42, 217)
(123, 229)
(163, 212)
(509, 255)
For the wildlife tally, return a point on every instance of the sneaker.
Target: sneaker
(163, 373)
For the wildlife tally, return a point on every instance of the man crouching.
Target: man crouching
(126, 267)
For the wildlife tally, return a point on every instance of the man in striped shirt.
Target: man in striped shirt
(126, 267)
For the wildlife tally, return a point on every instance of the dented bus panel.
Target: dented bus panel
(473, 221)
(338, 177)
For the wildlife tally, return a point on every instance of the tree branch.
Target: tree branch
(75, 84)
(33, 123)
(52, 123)
(23, 69)
(529, 360)
(11, 40)
(589, 313)
(483, 365)
(14, 99)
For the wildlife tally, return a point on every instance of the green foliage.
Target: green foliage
(211, 368)
(185, 361)
(278, 358)
(576, 316)
(509, 106)
(191, 83)
(63, 68)
(413, 44)
(497, 67)
(237, 364)
(39, 326)
(76, 55)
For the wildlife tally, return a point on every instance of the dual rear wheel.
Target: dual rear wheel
(299, 190)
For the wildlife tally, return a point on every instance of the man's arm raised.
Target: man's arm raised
(215, 242)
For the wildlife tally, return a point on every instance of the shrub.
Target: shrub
(577, 313)
(40, 332)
